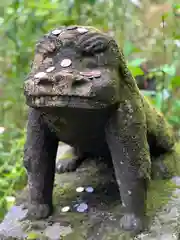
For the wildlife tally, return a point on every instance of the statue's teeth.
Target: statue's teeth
(42, 100)
(66, 62)
(37, 101)
(54, 98)
(50, 69)
(82, 30)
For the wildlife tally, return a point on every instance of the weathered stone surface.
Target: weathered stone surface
(101, 222)
(101, 113)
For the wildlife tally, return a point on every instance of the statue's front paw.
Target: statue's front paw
(67, 165)
(130, 222)
(38, 211)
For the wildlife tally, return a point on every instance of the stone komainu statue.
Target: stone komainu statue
(80, 92)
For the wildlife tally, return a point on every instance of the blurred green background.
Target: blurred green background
(148, 31)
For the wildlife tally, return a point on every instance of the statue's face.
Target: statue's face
(73, 69)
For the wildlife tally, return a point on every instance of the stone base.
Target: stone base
(101, 221)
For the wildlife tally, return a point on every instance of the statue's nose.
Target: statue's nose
(60, 77)
(65, 82)
(63, 76)
(71, 78)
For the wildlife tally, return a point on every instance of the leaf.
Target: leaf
(174, 119)
(177, 9)
(165, 94)
(148, 93)
(10, 201)
(136, 71)
(136, 50)
(128, 48)
(159, 100)
(4, 184)
(32, 236)
(177, 104)
(175, 81)
(176, 36)
(137, 62)
(169, 69)
(91, 2)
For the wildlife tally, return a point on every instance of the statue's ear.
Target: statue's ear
(44, 46)
(93, 42)
(124, 72)
(38, 59)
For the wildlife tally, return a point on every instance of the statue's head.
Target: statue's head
(74, 67)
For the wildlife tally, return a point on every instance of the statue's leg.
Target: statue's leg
(161, 141)
(127, 140)
(39, 160)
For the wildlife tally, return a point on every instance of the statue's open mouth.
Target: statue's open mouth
(63, 101)
(64, 89)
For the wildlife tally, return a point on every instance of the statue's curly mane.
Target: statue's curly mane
(93, 41)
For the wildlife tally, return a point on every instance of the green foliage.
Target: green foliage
(12, 174)
(33, 236)
(24, 22)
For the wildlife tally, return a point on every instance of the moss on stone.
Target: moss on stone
(172, 160)
(160, 191)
